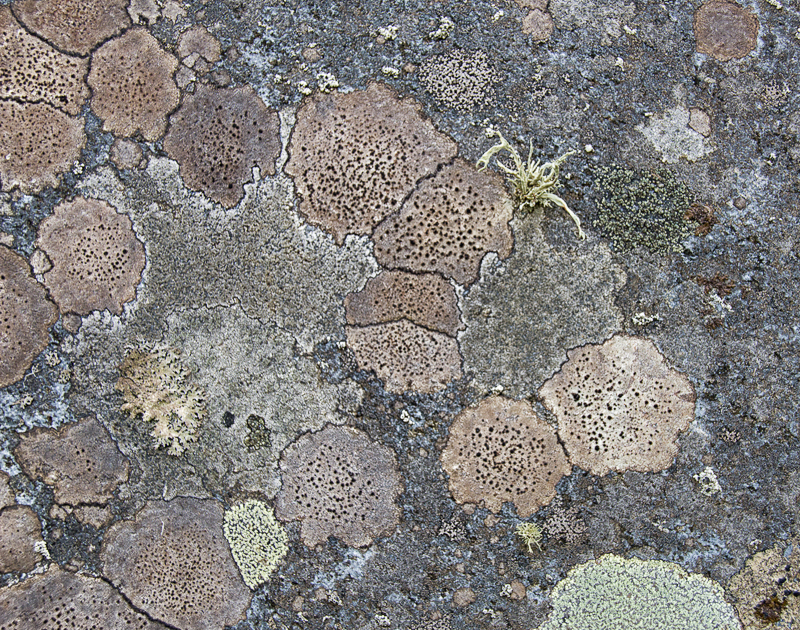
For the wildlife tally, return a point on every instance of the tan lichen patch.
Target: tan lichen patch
(199, 42)
(356, 156)
(450, 222)
(32, 71)
(502, 451)
(132, 85)
(79, 460)
(39, 142)
(619, 406)
(538, 24)
(338, 482)
(76, 26)
(766, 591)
(20, 530)
(6, 493)
(25, 317)
(424, 299)
(725, 30)
(173, 563)
(406, 356)
(74, 602)
(218, 136)
(97, 259)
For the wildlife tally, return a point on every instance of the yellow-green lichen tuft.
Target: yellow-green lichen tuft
(257, 541)
(155, 386)
(613, 593)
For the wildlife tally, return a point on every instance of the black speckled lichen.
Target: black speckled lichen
(642, 209)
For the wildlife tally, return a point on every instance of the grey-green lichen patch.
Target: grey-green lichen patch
(524, 314)
(612, 593)
(604, 19)
(671, 135)
(249, 368)
(642, 209)
(259, 254)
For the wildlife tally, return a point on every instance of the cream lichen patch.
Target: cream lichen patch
(155, 386)
(338, 482)
(25, 317)
(356, 156)
(173, 563)
(34, 72)
(619, 406)
(97, 259)
(463, 81)
(424, 299)
(252, 372)
(597, 595)
(766, 592)
(406, 356)
(218, 136)
(258, 542)
(502, 451)
(448, 225)
(74, 602)
(79, 460)
(132, 85)
(76, 26)
(673, 137)
(525, 313)
(39, 143)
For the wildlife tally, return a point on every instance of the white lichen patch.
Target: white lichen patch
(257, 540)
(671, 135)
(708, 482)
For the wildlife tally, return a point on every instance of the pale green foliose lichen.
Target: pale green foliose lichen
(257, 541)
(613, 593)
(155, 386)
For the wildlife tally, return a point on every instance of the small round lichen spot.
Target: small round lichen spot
(612, 593)
(725, 30)
(258, 542)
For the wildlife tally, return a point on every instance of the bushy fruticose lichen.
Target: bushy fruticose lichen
(612, 593)
(155, 385)
(642, 209)
(258, 541)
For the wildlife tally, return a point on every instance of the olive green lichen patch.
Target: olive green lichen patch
(526, 312)
(766, 592)
(642, 209)
(257, 540)
(612, 593)
(156, 387)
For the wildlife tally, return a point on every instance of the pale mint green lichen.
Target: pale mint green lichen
(613, 593)
(257, 541)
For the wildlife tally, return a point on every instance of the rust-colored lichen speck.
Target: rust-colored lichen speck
(79, 460)
(406, 356)
(76, 26)
(97, 259)
(448, 225)
(725, 30)
(619, 406)
(173, 563)
(356, 156)
(424, 299)
(218, 136)
(25, 317)
(132, 83)
(34, 72)
(338, 482)
(60, 600)
(502, 451)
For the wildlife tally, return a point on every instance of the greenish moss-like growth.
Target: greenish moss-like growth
(257, 540)
(258, 434)
(532, 181)
(642, 209)
(156, 387)
(531, 534)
